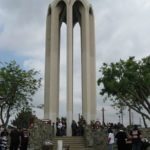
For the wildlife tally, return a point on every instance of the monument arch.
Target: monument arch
(70, 12)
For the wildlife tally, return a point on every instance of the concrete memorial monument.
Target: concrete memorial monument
(70, 12)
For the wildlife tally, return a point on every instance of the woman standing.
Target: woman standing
(111, 139)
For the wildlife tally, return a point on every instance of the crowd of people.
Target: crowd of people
(131, 140)
(61, 127)
(14, 139)
(78, 127)
(125, 140)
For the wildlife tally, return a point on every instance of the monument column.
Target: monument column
(85, 60)
(88, 64)
(92, 65)
(47, 68)
(69, 68)
(52, 69)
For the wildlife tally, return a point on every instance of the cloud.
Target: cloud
(24, 27)
(34, 63)
(38, 66)
(123, 29)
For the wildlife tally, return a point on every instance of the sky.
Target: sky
(122, 29)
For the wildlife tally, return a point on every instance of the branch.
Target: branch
(135, 108)
(1, 115)
(7, 115)
(144, 121)
(144, 95)
(146, 100)
(139, 99)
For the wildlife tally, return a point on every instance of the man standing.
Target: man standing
(121, 137)
(24, 139)
(136, 138)
(14, 139)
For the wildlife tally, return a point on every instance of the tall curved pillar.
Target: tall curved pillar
(92, 65)
(88, 64)
(69, 67)
(52, 63)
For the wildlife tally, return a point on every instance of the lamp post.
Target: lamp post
(119, 118)
(130, 122)
(121, 113)
(1, 82)
(103, 116)
(98, 109)
(2, 97)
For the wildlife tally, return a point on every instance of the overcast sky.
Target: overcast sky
(122, 30)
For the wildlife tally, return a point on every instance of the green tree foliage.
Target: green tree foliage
(17, 86)
(127, 83)
(24, 118)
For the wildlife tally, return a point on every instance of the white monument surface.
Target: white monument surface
(70, 12)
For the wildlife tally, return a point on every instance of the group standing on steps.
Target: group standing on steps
(77, 127)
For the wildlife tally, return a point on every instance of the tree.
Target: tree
(127, 83)
(17, 86)
(24, 118)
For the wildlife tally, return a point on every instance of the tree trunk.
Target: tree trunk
(1, 115)
(144, 121)
(7, 116)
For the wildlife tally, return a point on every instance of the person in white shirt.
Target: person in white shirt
(60, 128)
(111, 139)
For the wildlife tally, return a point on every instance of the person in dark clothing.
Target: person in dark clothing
(24, 137)
(64, 127)
(74, 128)
(129, 143)
(121, 137)
(58, 127)
(80, 129)
(4, 140)
(14, 139)
(136, 138)
(57, 130)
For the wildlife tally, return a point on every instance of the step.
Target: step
(75, 142)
